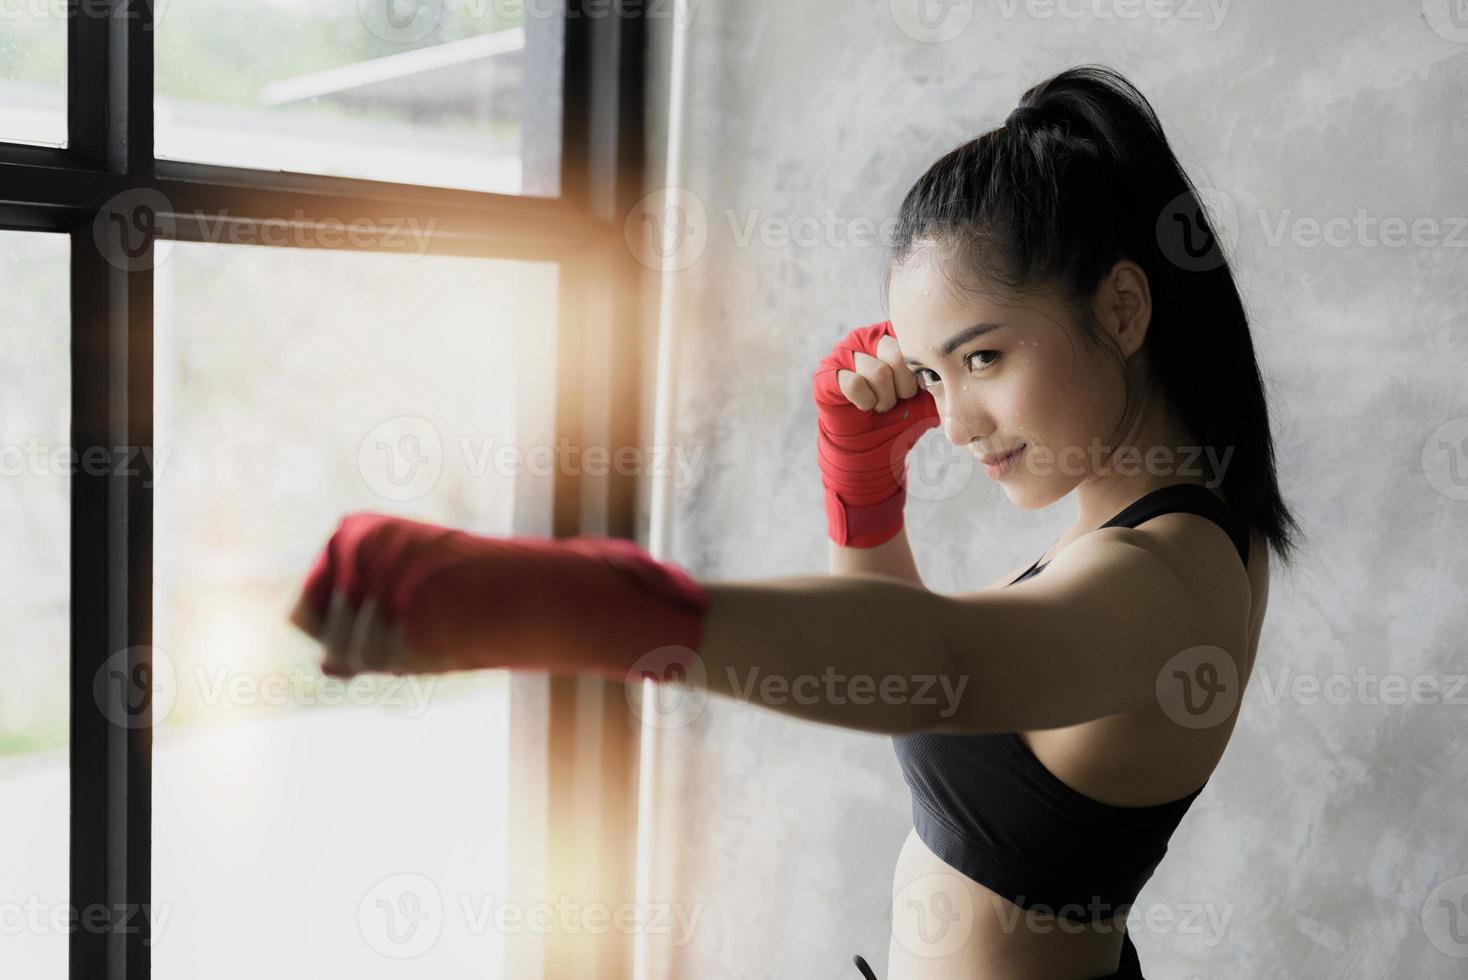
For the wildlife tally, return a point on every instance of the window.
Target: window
(34, 489)
(33, 72)
(266, 772)
(239, 288)
(459, 95)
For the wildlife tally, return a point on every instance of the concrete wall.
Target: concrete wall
(1332, 835)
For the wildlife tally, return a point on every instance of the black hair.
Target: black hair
(1078, 178)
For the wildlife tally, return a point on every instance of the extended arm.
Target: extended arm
(1096, 635)
(863, 652)
(1088, 639)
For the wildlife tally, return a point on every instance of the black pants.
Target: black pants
(1130, 967)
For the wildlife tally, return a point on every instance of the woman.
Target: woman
(1058, 305)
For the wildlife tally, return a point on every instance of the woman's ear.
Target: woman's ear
(1124, 305)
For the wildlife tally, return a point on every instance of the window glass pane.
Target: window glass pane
(35, 605)
(302, 826)
(33, 71)
(456, 94)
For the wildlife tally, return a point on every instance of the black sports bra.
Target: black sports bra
(1187, 498)
(989, 808)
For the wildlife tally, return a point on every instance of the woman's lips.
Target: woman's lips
(1000, 467)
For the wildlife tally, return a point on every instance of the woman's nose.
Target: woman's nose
(963, 424)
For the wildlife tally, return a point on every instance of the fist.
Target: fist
(870, 411)
(403, 596)
(356, 640)
(876, 383)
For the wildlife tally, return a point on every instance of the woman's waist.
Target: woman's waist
(1074, 873)
(944, 923)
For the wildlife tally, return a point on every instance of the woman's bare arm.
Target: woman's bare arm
(892, 558)
(860, 651)
(1088, 639)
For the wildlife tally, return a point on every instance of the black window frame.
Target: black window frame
(576, 726)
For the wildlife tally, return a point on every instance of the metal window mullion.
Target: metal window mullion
(111, 610)
(110, 128)
(87, 82)
(203, 203)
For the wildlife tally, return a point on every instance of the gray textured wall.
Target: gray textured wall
(1332, 835)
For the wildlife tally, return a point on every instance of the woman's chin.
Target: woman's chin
(1030, 494)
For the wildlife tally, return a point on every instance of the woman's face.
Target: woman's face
(1026, 381)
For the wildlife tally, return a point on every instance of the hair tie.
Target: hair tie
(1025, 115)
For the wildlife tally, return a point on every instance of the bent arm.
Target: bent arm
(892, 558)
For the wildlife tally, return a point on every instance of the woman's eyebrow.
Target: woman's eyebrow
(960, 338)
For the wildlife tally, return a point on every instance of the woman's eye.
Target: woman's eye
(921, 373)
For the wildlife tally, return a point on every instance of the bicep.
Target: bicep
(1085, 640)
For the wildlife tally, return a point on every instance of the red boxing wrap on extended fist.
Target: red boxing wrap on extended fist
(863, 454)
(587, 604)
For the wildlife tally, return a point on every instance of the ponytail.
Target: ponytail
(1081, 176)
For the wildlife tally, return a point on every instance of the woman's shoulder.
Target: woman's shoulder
(1203, 557)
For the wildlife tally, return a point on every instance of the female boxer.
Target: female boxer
(1059, 306)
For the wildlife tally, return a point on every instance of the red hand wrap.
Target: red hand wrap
(587, 604)
(863, 454)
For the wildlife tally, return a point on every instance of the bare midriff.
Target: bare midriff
(945, 924)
